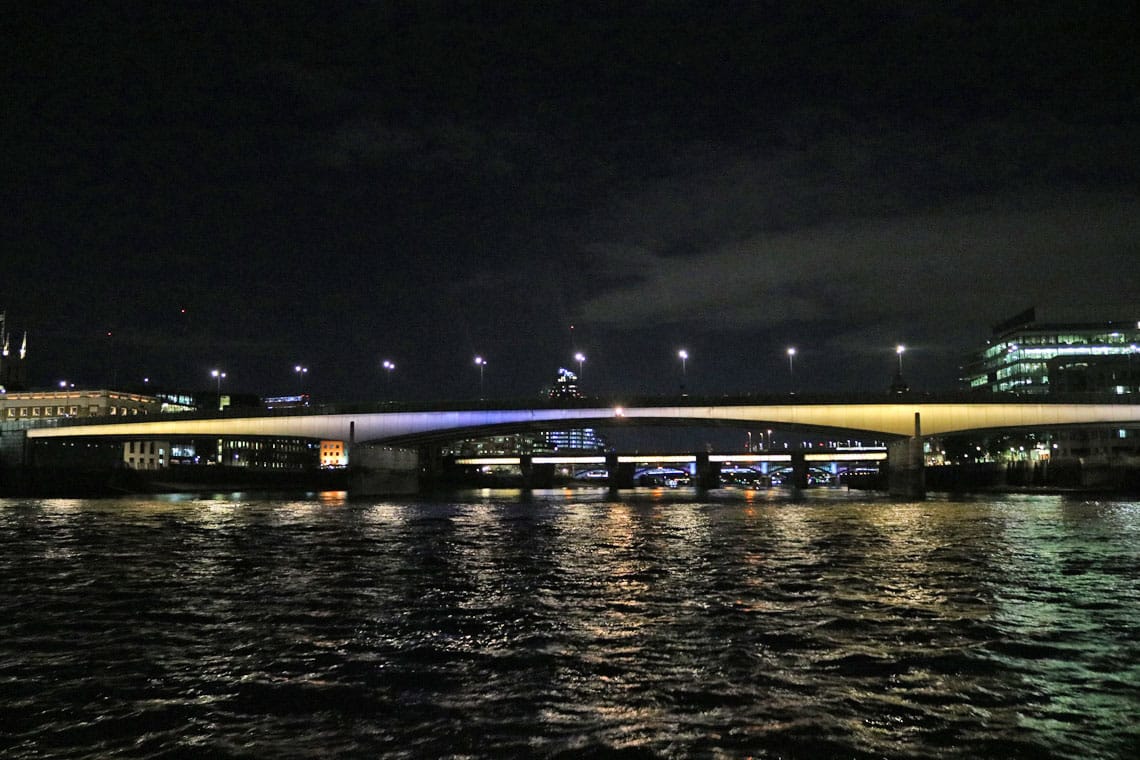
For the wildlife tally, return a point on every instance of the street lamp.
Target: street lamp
(899, 350)
(301, 370)
(580, 358)
(388, 367)
(1131, 379)
(218, 375)
(480, 362)
(684, 356)
(792, 367)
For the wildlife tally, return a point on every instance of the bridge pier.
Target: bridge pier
(535, 475)
(799, 472)
(375, 470)
(707, 474)
(906, 477)
(620, 474)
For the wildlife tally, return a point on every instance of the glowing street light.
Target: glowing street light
(899, 350)
(1131, 380)
(218, 375)
(301, 370)
(684, 356)
(580, 358)
(480, 362)
(792, 366)
(388, 367)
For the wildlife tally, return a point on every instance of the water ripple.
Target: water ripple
(564, 628)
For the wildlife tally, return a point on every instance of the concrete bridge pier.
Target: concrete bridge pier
(535, 475)
(799, 480)
(375, 470)
(906, 477)
(621, 474)
(707, 473)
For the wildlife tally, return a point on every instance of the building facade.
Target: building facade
(1031, 357)
(40, 407)
(1037, 354)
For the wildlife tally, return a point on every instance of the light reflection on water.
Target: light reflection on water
(566, 622)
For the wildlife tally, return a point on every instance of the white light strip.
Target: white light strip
(651, 460)
(870, 456)
(568, 460)
(489, 460)
(750, 457)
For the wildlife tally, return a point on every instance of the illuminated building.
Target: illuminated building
(565, 385)
(1031, 357)
(1028, 356)
(550, 441)
(333, 454)
(146, 455)
(296, 401)
(13, 366)
(38, 407)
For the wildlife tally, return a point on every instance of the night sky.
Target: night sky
(251, 187)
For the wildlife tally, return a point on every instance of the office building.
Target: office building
(1029, 356)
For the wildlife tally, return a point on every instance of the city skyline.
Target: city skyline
(423, 184)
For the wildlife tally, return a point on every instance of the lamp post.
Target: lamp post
(580, 358)
(480, 362)
(218, 375)
(300, 370)
(388, 367)
(899, 350)
(1131, 380)
(792, 367)
(684, 356)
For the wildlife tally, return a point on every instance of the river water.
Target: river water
(570, 624)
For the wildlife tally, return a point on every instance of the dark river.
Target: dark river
(569, 624)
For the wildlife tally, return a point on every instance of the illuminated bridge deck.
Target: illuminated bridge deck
(894, 419)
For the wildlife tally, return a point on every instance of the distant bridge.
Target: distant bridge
(886, 419)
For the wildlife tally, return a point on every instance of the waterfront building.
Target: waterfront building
(40, 407)
(146, 455)
(334, 454)
(1038, 353)
(1030, 356)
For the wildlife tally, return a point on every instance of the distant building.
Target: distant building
(1027, 356)
(1060, 354)
(578, 439)
(333, 454)
(40, 407)
(297, 401)
(146, 455)
(13, 362)
(565, 385)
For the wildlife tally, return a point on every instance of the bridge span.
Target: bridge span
(893, 419)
